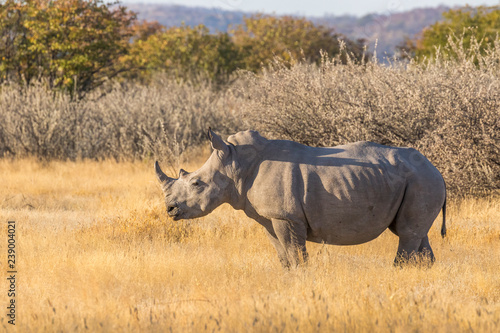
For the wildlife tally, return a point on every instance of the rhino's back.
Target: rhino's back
(339, 190)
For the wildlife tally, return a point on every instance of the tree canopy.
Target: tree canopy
(183, 52)
(74, 44)
(262, 37)
(469, 23)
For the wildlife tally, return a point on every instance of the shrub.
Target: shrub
(448, 109)
(121, 121)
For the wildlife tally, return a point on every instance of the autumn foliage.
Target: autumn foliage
(75, 44)
(474, 26)
(183, 52)
(263, 37)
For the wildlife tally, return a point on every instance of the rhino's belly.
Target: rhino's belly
(347, 232)
(351, 222)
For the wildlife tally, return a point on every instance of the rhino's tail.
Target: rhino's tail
(443, 226)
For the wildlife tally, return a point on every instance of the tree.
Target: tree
(262, 37)
(183, 52)
(142, 30)
(481, 24)
(74, 44)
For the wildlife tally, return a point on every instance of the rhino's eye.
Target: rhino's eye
(197, 184)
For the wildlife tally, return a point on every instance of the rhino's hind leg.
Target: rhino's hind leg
(421, 204)
(407, 250)
(414, 251)
(292, 236)
(425, 251)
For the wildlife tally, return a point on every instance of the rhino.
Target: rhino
(342, 195)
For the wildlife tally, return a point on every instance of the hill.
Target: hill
(388, 29)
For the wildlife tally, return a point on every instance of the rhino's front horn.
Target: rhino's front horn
(162, 177)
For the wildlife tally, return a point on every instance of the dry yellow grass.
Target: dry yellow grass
(97, 253)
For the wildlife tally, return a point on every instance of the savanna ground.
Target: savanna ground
(97, 253)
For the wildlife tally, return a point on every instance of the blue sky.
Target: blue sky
(320, 7)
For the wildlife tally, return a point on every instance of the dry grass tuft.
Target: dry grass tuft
(96, 253)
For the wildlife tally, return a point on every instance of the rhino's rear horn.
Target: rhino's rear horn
(162, 177)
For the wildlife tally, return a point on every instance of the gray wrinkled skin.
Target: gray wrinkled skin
(343, 195)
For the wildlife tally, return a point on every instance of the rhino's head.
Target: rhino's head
(198, 193)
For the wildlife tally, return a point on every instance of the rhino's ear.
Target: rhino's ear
(183, 173)
(217, 142)
(162, 177)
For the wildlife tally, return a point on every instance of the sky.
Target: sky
(320, 7)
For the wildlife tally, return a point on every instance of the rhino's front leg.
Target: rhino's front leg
(280, 250)
(292, 236)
